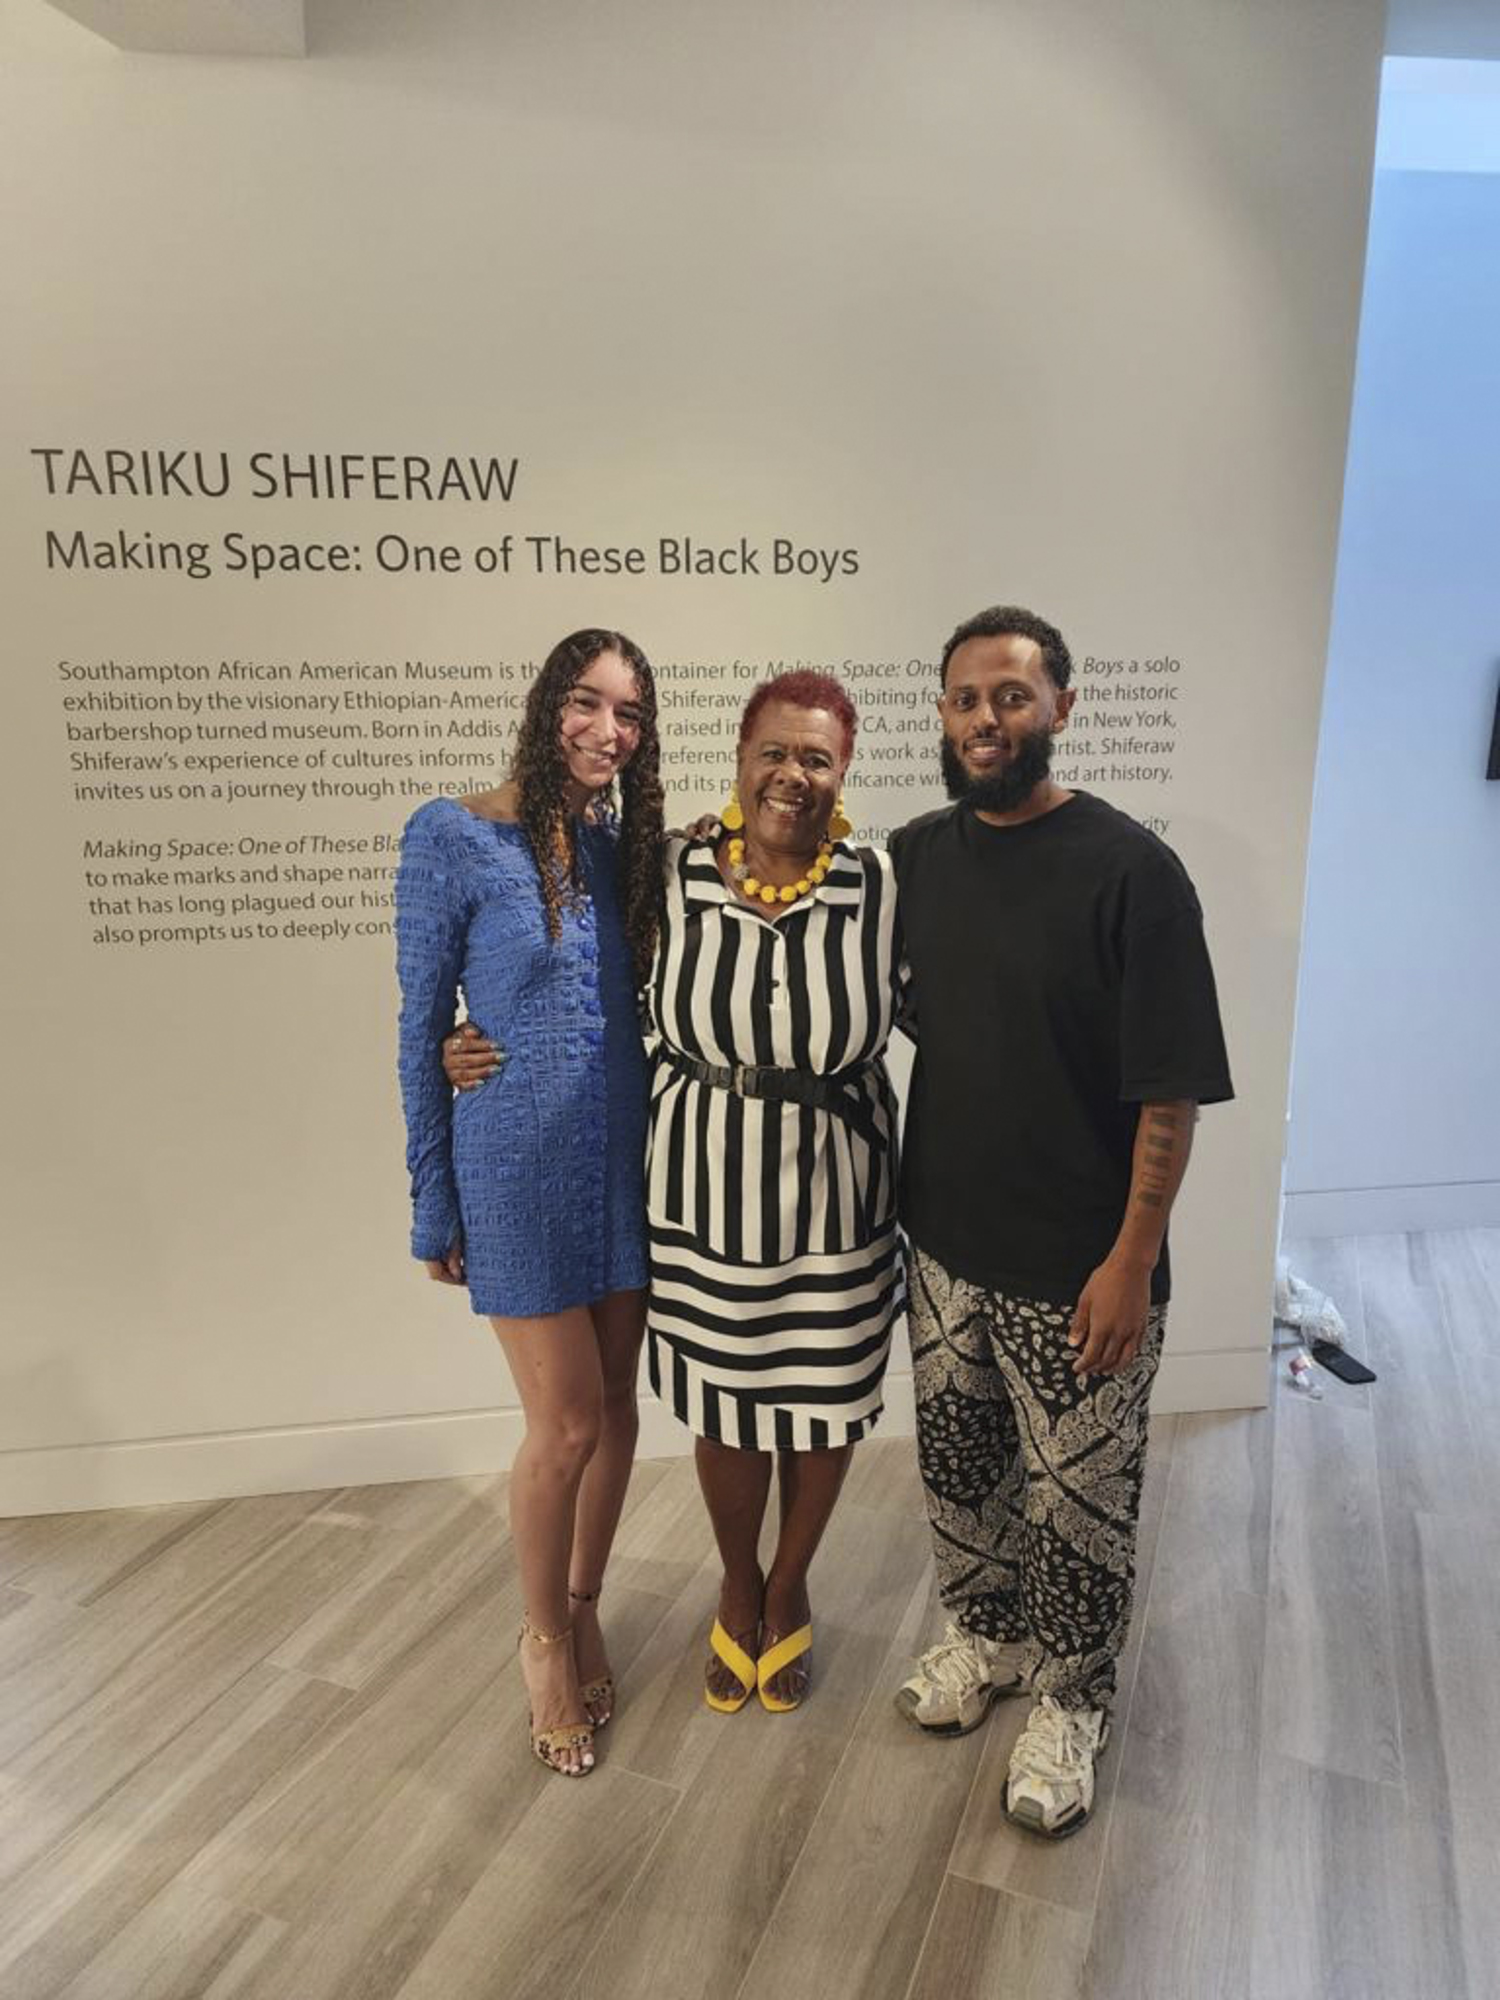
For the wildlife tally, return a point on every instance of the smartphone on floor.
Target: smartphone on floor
(1337, 1362)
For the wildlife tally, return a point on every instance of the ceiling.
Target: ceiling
(1464, 29)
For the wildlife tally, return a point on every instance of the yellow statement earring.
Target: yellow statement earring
(732, 818)
(840, 826)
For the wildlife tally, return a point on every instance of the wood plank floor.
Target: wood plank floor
(274, 1749)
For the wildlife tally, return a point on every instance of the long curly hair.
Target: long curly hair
(541, 776)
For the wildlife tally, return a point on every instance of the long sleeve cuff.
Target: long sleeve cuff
(436, 1221)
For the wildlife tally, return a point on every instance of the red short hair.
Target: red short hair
(804, 689)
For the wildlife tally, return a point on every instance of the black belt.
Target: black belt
(837, 1092)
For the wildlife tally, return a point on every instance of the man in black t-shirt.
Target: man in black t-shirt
(1067, 1030)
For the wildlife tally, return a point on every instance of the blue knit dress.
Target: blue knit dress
(541, 1168)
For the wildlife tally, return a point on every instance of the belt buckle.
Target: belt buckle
(738, 1074)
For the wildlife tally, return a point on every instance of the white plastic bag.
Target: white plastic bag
(1312, 1312)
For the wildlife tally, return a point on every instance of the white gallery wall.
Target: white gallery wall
(1396, 1100)
(919, 307)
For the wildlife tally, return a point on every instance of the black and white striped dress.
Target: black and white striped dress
(775, 1260)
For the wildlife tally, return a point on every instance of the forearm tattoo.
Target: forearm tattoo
(1161, 1151)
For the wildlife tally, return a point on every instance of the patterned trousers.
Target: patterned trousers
(1033, 1477)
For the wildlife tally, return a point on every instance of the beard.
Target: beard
(1009, 787)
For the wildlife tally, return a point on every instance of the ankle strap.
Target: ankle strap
(530, 1631)
(584, 1596)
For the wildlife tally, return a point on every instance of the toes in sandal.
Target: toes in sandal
(776, 1659)
(728, 1650)
(599, 1693)
(552, 1746)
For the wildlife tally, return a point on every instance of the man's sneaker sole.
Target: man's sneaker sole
(907, 1708)
(1029, 1814)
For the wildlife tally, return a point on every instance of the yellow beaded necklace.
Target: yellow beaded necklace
(767, 892)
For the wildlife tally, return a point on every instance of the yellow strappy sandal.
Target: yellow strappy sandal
(551, 1744)
(725, 1647)
(771, 1663)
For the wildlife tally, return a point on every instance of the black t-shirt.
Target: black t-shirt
(1060, 980)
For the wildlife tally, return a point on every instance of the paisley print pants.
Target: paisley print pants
(1033, 1477)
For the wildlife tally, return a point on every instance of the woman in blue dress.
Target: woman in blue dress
(541, 904)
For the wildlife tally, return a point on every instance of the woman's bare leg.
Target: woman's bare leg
(619, 1321)
(735, 1487)
(809, 1483)
(555, 1362)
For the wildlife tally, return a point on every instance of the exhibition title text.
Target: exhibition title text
(84, 475)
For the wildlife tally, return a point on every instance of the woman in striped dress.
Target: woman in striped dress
(771, 1176)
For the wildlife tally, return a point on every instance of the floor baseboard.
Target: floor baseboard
(1388, 1211)
(147, 1472)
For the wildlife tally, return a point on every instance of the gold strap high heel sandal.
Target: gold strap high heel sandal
(553, 1745)
(599, 1694)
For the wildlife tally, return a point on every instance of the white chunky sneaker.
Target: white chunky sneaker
(1050, 1789)
(957, 1679)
